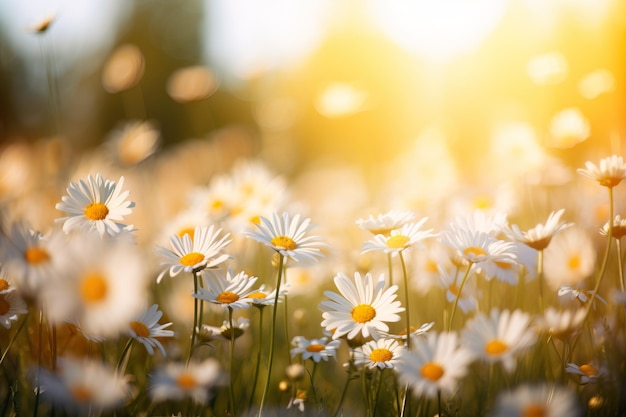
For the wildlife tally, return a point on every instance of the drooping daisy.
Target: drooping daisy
(561, 324)
(537, 400)
(11, 306)
(588, 372)
(499, 337)
(435, 363)
(95, 204)
(364, 307)
(147, 330)
(81, 385)
(177, 381)
(539, 237)
(381, 354)
(579, 294)
(570, 259)
(208, 333)
(193, 255)
(384, 223)
(399, 239)
(619, 228)
(229, 291)
(420, 331)
(287, 236)
(314, 349)
(611, 172)
(478, 247)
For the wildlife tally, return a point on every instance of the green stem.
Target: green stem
(458, 295)
(231, 390)
(272, 334)
(390, 266)
(120, 361)
(19, 329)
(286, 325)
(620, 266)
(540, 278)
(258, 357)
(439, 403)
(196, 303)
(406, 301)
(345, 387)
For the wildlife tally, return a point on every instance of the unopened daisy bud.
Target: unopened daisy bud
(283, 386)
(295, 372)
(44, 24)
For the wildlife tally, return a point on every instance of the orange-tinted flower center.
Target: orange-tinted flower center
(227, 297)
(534, 410)
(432, 371)
(381, 355)
(35, 255)
(496, 347)
(192, 258)
(315, 347)
(186, 381)
(93, 288)
(284, 242)
(96, 211)
(140, 329)
(363, 313)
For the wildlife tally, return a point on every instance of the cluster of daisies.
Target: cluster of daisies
(90, 279)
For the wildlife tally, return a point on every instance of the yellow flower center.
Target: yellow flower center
(186, 381)
(4, 306)
(257, 295)
(315, 347)
(534, 410)
(284, 242)
(4, 284)
(574, 262)
(483, 202)
(503, 265)
(381, 355)
(431, 371)
(96, 211)
(140, 329)
(382, 231)
(80, 393)
(217, 205)
(397, 241)
(453, 289)
(496, 347)
(431, 266)
(363, 313)
(474, 250)
(191, 259)
(186, 231)
(35, 255)
(256, 219)
(609, 181)
(93, 288)
(588, 370)
(227, 297)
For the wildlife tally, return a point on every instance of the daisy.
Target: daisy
(570, 259)
(579, 294)
(610, 173)
(209, 333)
(588, 372)
(399, 239)
(287, 236)
(314, 349)
(262, 298)
(436, 364)
(230, 291)
(536, 400)
(193, 255)
(147, 330)
(479, 247)
(510, 272)
(185, 222)
(95, 204)
(561, 324)
(539, 237)
(177, 381)
(11, 306)
(103, 287)
(364, 307)
(384, 223)
(81, 385)
(479, 221)
(427, 264)
(499, 337)
(422, 330)
(381, 354)
(450, 281)
(619, 228)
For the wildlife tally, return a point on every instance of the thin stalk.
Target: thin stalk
(196, 304)
(379, 374)
(39, 342)
(19, 329)
(286, 324)
(406, 302)
(312, 381)
(258, 357)
(120, 361)
(620, 266)
(345, 387)
(540, 278)
(272, 334)
(458, 295)
(231, 388)
(390, 266)
(439, 403)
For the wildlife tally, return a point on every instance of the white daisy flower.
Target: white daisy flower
(450, 281)
(619, 227)
(364, 307)
(588, 372)
(183, 223)
(177, 381)
(230, 291)
(539, 237)
(314, 349)
(381, 354)
(579, 294)
(499, 337)
(427, 264)
(570, 259)
(611, 172)
(193, 255)
(560, 324)
(399, 239)
(435, 363)
(479, 221)
(420, 331)
(146, 329)
(11, 306)
(103, 288)
(81, 385)
(216, 200)
(287, 236)
(95, 204)
(478, 247)
(261, 297)
(510, 272)
(536, 400)
(209, 333)
(384, 223)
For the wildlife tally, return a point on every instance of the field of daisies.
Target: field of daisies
(244, 303)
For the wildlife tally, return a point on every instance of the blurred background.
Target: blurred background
(428, 90)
